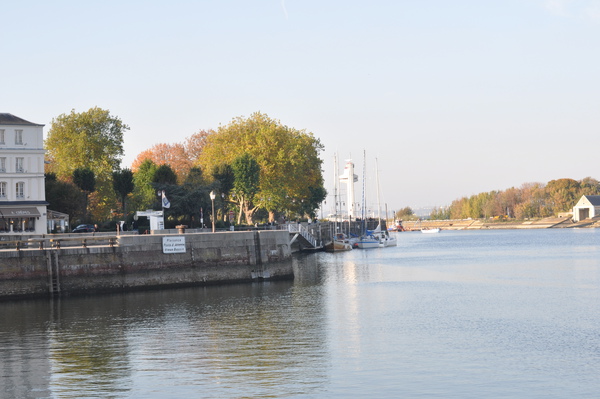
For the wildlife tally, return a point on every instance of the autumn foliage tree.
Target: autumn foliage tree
(173, 155)
(179, 156)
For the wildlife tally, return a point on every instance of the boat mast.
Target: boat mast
(378, 199)
(335, 194)
(363, 191)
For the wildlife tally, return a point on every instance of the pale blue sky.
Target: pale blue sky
(452, 97)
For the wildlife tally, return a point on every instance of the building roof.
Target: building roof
(10, 119)
(594, 199)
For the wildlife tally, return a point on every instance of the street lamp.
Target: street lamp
(212, 200)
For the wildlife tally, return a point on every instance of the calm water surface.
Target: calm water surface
(477, 314)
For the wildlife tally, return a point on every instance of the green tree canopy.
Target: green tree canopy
(164, 174)
(85, 179)
(92, 139)
(123, 185)
(64, 197)
(290, 167)
(223, 174)
(246, 173)
(144, 194)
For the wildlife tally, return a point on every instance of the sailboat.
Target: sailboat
(384, 235)
(369, 239)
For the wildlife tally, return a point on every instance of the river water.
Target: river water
(460, 314)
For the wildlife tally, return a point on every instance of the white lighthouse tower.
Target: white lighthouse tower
(349, 178)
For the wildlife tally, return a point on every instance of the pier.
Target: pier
(77, 264)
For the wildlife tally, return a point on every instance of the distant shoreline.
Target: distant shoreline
(480, 224)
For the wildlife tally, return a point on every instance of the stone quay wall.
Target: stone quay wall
(143, 262)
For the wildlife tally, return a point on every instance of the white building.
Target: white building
(22, 191)
(587, 207)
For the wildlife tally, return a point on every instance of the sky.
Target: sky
(446, 98)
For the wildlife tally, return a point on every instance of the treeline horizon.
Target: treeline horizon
(531, 200)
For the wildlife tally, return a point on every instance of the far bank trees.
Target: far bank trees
(531, 200)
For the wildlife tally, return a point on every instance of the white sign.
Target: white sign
(173, 245)
(149, 212)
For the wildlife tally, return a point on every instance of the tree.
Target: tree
(246, 173)
(173, 155)
(85, 179)
(63, 196)
(223, 174)
(144, 194)
(164, 174)
(180, 156)
(123, 186)
(563, 193)
(531, 200)
(290, 167)
(405, 213)
(195, 197)
(441, 213)
(223, 179)
(92, 139)
(590, 186)
(194, 145)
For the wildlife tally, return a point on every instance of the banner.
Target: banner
(165, 201)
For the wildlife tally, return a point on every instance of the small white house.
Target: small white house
(22, 190)
(587, 208)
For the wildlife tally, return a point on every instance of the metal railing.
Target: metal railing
(57, 243)
(303, 231)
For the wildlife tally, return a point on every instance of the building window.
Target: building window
(19, 165)
(20, 189)
(2, 189)
(2, 164)
(19, 137)
(1, 136)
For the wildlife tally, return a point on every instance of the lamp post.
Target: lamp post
(212, 200)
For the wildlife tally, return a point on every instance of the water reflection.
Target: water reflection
(24, 365)
(241, 340)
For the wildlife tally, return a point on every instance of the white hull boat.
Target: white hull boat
(366, 242)
(390, 241)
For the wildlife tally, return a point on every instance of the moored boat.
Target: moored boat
(367, 241)
(340, 243)
(389, 240)
(337, 246)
